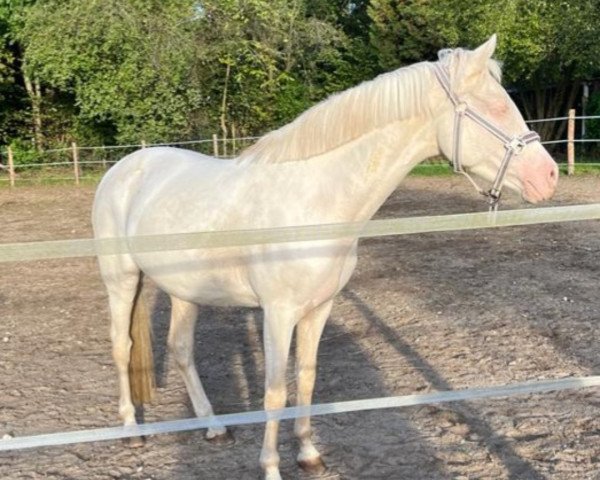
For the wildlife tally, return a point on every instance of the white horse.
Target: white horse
(337, 162)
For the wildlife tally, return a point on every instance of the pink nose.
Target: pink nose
(539, 176)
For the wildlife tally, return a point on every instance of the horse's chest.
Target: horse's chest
(306, 276)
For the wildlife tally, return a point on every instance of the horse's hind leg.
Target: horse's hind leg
(181, 343)
(122, 290)
(308, 334)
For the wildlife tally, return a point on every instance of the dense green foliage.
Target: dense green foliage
(107, 71)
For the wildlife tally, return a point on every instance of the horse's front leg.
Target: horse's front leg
(308, 334)
(278, 328)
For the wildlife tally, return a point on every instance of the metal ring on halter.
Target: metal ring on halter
(461, 108)
(516, 145)
(493, 199)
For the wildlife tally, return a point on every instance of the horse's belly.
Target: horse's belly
(217, 280)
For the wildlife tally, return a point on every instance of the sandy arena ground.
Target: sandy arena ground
(422, 313)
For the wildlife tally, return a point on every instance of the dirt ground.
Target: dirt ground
(422, 313)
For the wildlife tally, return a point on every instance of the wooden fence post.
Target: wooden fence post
(75, 162)
(11, 167)
(571, 143)
(233, 145)
(224, 147)
(215, 145)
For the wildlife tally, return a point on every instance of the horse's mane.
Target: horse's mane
(345, 116)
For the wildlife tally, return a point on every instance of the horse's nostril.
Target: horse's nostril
(554, 175)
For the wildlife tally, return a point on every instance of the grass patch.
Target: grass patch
(582, 169)
(432, 170)
(49, 177)
(443, 169)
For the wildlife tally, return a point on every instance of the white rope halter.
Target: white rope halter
(514, 145)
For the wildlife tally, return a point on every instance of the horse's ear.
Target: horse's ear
(477, 62)
(482, 54)
(485, 51)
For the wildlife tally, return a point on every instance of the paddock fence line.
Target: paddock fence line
(12, 252)
(289, 413)
(397, 226)
(102, 157)
(68, 159)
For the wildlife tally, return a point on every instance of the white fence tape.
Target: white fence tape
(558, 119)
(245, 418)
(541, 120)
(398, 226)
(576, 140)
(374, 228)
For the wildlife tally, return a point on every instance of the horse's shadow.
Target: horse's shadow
(516, 466)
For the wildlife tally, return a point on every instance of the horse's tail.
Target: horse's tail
(141, 361)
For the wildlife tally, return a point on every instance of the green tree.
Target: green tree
(162, 70)
(20, 114)
(547, 48)
(126, 62)
(266, 61)
(409, 31)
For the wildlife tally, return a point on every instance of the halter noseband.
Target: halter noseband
(514, 145)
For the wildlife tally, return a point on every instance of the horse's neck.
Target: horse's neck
(369, 169)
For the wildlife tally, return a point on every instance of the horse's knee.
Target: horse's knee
(306, 376)
(275, 397)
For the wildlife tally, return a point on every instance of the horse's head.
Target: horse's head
(481, 130)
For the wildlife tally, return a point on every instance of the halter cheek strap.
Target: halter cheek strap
(514, 145)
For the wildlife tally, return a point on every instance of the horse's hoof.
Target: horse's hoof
(313, 466)
(134, 442)
(223, 439)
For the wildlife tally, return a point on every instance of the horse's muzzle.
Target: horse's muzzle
(539, 177)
